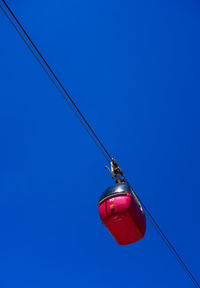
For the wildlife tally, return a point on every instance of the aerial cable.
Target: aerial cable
(54, 83)
(167, 242)
(45, 66)
(58, 81)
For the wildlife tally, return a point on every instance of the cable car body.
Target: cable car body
(122, 214)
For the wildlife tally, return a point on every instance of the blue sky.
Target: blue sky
(133, 69)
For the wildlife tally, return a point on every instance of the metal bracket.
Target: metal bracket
(116, 171)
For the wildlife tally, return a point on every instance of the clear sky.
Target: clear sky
(133, 69)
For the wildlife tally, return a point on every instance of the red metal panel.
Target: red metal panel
(123, 218)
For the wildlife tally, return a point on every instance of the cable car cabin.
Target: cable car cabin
(122, 214)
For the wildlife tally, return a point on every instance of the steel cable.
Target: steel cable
(58, 81)
(166, 240)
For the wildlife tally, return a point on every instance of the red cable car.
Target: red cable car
(122, 214)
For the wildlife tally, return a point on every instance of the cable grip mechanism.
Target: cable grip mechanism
(116, 171)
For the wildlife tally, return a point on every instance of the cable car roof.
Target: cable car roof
(117, 188)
